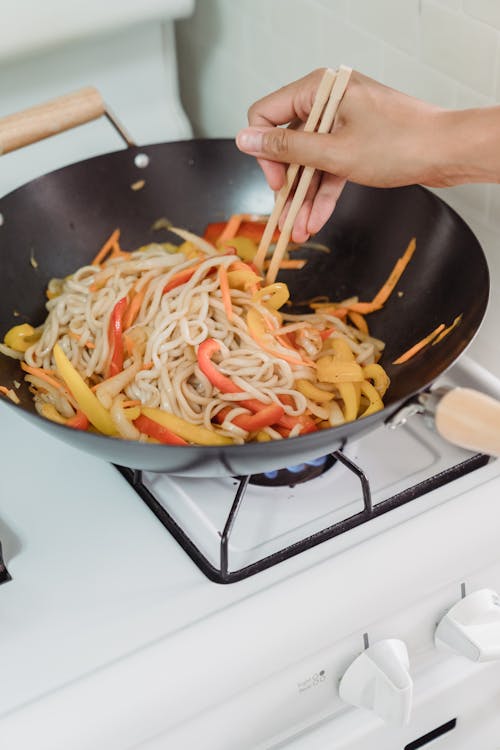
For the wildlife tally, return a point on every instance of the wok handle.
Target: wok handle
(470, 419)
(52, 117)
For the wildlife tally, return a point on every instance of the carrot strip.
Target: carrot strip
(105, 249)
(358, 321)
(77, 337)
(42, 374)
(231, 228)
(133, 309)
(288, 265)
(418, 346)
(130, 402)
(225, 291)
(387, 288)
(448, 330)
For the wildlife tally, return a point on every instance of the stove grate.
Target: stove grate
(223, 573)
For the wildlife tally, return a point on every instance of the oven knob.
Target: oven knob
(379, 680)
(472, 627)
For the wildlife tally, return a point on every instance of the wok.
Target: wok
(61, 219)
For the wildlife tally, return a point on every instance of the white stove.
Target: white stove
(112, 637)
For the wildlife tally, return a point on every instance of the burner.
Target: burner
(292, 475)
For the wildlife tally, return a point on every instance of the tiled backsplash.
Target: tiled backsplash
(232, 52)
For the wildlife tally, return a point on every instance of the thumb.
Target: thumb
(289, 146)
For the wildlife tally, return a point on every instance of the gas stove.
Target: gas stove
(115, 635)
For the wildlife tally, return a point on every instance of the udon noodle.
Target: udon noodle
(191, 342)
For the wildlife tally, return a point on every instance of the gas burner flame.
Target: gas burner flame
(296, 474)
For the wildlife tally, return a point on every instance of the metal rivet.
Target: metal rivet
(1, 220)
(141, 161)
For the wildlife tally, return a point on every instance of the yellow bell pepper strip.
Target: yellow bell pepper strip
(332, 370)
(375, 402)
(190, 432)
(246, 249)
(262, 437)
(351, 399)
(341, 350)
(378, 375)
(115, 331)
(17, 338)
(312, 392)
(242, 280)
(157, 431)
(278, 294)
(86, 400)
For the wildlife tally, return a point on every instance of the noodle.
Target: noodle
(160, 359)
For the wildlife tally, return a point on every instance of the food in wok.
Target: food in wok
(183, 344)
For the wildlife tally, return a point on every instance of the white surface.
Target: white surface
(471, 628)
(136, 72)
(379, 680)
(104, 603)
(28, 26)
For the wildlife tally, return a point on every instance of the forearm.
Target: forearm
(469, 141)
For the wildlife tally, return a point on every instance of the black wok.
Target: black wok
(62, 218)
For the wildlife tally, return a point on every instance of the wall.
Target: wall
(232, 52)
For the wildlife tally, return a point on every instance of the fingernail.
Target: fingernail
(249, 140)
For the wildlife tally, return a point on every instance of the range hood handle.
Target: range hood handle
(55, 116)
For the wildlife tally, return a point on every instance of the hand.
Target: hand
(380, 137)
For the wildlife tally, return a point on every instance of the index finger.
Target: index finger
(288, 103)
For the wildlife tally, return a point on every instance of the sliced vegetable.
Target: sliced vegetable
(106, 248)
(265, 417)
(17, 337)
(86, 400)
(332, 370)
(448, 330)
(10, 394)
(205, 351)
(274, 295)
(419, 346)
(387, 288)
(375, 402)
(225, 291)
(43, 375)
(115, 337)
(190, 432)
(157, 431)
(378, 375)
(312, 392)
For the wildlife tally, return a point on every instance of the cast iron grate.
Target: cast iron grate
(223, 574)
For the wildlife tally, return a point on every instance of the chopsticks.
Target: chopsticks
(326, 102)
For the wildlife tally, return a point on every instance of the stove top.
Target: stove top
(100, 587)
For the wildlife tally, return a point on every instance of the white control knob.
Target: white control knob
(472, 627)
(379, 679)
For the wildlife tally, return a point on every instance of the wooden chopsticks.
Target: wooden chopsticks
(326, 102)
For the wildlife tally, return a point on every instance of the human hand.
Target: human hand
(380, 137)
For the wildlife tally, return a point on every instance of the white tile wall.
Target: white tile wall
(231, 52)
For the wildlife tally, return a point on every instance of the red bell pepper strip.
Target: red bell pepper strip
(205, 351)
(115, 337)
(265, 417)
(78, 422)
(157, 431)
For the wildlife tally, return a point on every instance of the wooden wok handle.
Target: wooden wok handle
(470, 419)
(52, 117)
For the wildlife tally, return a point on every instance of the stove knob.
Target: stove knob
(379, 680)
(472, 627)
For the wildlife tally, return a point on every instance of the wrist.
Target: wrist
(467, 146)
